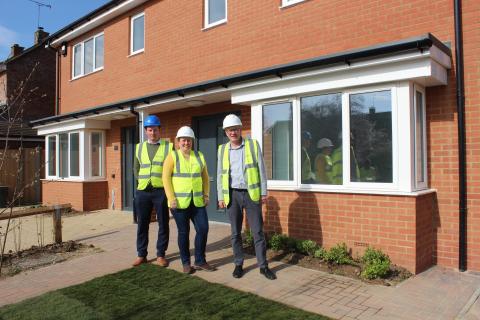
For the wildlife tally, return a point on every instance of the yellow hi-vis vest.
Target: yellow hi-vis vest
(251, 167)
(151, 172)
(187, 179)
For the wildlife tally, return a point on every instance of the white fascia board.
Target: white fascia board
(73, 125)
(413, 66)
(97, 21)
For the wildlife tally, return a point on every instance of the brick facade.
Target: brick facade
(415, 231)
(83, 196)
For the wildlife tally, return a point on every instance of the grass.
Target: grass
(149, 292)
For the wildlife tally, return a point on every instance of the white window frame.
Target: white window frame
(403, 145)
(47, 156)
(419, 185)
(287, 3)
(70, 156)
(132, 19)
(82, 67)
(216, 23)
(257, 113)
(102, 155)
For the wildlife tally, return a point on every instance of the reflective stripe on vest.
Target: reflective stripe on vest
(151, 171)
(187, 179)
(252, 173)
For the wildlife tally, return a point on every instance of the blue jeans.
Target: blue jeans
(199, 217)
(145, 201)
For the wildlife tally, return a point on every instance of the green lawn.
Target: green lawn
(150, 292)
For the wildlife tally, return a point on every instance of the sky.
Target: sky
(19, 19)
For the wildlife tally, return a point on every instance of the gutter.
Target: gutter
(416, 43)
(462, 164)
(137, 123)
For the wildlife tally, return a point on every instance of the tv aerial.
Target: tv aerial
(40, 4)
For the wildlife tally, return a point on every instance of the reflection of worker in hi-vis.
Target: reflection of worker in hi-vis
(323, 162)
(307, 175)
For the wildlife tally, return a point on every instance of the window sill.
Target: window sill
(86, 75)
(288, 5)
(136, 53)
(353, 191)
(101, 179)
(213, 25)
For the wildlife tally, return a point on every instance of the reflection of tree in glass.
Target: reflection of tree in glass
(371, 135)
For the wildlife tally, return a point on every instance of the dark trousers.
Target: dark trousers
(145, 201)
(198, 215)
(239, 200)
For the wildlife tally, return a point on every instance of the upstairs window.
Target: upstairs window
(215, 12)
(88, 56)
(137, 36)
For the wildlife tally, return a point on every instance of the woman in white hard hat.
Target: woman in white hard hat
(323, 161)
(186, 183)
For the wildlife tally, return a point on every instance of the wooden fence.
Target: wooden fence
(21, 173)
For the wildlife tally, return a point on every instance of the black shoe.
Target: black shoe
(238, 272)
(268, 273)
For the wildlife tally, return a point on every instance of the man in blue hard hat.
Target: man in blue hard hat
(148, 169)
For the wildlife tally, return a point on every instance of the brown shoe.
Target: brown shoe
(162, 262)
(205, 267)
(139, 261)
(187, 269)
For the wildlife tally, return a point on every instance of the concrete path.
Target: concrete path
(437, 293)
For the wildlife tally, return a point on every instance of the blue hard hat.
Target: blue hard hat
(306, 135)
(151, 121)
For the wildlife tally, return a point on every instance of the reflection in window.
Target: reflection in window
(216, 11)
(52, 156)
(278, 141)
(371, 137)
(99, 51)
(74, 155)
(419, 142)
(77, 60)
(321, 125)
(88, 49)
(96, 152)
(63, 161)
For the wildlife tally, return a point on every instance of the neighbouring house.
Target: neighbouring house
(27, 92)
(378, 80)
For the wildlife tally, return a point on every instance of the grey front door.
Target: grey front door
(128, 154)
(210, 135)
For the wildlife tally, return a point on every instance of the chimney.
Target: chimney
(15, 50)
(40, 35)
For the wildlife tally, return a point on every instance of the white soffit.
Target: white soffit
(72, 126)
(97, 21)
(428, 67)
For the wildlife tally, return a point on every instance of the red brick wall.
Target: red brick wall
(259, 34)
(83, 196)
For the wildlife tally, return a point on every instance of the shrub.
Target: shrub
(338, 254)
(307, 247)
(248, 238)
(278, 242)
(320, 253)
(376, 264)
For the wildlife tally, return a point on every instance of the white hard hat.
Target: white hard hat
(323, 143)
(231, 121)
(185, 132)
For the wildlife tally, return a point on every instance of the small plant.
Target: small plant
(248, 240)
(307, 247)
(376, 264)
(338, 254)
(320, 253)
(278, 242)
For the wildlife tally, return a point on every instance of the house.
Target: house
(27, 92)
(380, 81)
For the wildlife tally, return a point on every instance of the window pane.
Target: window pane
(96, 153)
(138, 33)
(63, 155)
(74, 155)
(321, 153)
(278, 141)
(52, 156)
(99, 52)
(216, 10)
(371, 137)
(88, 67)
(419, 147)
(77, 60)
